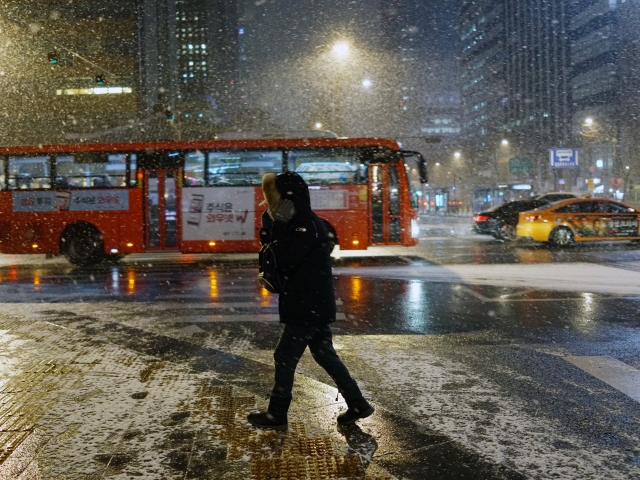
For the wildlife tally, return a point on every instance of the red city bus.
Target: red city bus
(89, 202)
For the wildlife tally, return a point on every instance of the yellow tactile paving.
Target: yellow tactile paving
(74, 408)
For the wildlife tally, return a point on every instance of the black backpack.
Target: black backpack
(269, 276)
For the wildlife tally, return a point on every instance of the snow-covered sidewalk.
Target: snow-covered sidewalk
(73, 406)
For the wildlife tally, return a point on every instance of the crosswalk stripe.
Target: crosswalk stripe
(614, 373)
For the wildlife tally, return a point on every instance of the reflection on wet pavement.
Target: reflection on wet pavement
(165, 360)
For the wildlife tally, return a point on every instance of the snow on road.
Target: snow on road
(478, 414)
(622, 279)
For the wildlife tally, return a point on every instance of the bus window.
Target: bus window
(194, 166)
(241, 167)
(29, 173)
(327, 166)
(2, 183)
(91, 170)
(133, 179)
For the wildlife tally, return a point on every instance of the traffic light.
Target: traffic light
(53, 58)
(100, 80)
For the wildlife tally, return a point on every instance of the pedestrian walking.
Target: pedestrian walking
(307, 304)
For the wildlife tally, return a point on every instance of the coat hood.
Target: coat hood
(288, 185)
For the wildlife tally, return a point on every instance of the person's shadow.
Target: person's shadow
(360, 443)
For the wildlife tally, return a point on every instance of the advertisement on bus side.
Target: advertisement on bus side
(75, 200)
(218, 213)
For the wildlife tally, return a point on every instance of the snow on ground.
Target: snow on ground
(86, 408)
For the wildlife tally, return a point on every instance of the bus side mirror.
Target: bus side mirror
(421, 164)
(422, 170)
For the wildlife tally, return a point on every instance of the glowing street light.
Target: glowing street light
(588, 121)
(457, 154)
(341, 49)
(318, 125)
(505, 142)
(366, 83)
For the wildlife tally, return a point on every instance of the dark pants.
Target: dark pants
(293, 342)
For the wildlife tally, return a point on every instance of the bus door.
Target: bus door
(162, 208)
(385, 203)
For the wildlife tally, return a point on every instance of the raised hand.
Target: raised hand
(284, 211)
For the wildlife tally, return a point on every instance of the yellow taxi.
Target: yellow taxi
(580, 220)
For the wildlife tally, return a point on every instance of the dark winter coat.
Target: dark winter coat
(301, 247)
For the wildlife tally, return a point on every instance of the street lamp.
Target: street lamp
(598, 133)
(499, 169)
(366, 83)
(455, 165)
(340, 52)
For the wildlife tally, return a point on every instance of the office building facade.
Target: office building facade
(538, 100)
(595, 85)
(188, 60)
(516, 95)
(482, 30)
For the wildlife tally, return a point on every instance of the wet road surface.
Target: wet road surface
(477, 369)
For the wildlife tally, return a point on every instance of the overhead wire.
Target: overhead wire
(53, 42)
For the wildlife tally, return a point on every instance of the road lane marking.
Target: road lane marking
(614, 373)
(505, 298)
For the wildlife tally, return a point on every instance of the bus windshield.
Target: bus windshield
(328, 166)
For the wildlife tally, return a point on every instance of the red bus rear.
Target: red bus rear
(90, 201)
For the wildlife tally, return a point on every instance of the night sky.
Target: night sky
(280, 30)
(285, 41)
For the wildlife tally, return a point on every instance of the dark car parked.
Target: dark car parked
(501, 220)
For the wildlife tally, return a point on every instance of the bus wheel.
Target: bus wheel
(331, 233)
(561, 237)
(82, 244)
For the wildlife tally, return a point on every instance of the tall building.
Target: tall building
(516, 96)
(68, 70)
(482, 29)
(188, 59)
(596, 81)
(538, 100)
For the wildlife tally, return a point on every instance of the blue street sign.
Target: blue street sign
(564, 157)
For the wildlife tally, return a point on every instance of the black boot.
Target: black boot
(267, 421)
(275, 418)
(361, 410)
